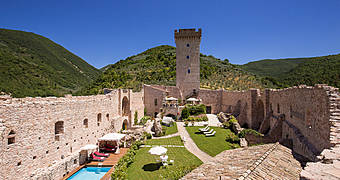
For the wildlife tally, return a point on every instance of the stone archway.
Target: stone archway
(125, 106)
(125, 124)
(259, 115)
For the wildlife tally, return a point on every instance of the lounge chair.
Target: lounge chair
(204, 129)
(211, 130)
(110, 146)
(106, 149)
(95, 158)
(211, 134)
(98, 154)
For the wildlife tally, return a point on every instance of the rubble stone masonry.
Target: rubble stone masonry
(40, 133)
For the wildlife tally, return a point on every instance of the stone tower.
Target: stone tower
(188, 61)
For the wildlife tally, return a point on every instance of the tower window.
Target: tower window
(11, 137)
(188, 71)
(156, 102)
(187, 57)
(188, 45)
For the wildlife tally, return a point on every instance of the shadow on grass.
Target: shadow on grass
(152, 166)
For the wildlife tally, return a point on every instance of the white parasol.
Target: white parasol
(158, 150)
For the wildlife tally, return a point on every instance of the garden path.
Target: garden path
(190, 144)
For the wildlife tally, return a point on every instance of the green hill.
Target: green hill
(273, 67)
(158, 66)
(317, 70)
(292, 72)
(32, 65)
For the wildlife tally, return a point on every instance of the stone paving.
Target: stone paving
(213, 120)
(190, 144)
(270, 161)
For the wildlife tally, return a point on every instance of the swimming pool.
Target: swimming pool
(90, 173)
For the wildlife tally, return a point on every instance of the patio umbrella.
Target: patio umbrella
(158, 150)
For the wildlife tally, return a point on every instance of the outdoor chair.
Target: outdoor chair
(211, 130)
(98, 154)
(204, 129)
(172, 162)
(95, 158)
(211, 134)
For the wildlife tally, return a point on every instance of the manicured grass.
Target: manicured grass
(167, 141)
(171, 130)
(211, 145)
(146, 166)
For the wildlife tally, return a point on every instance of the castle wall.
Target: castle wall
(33, 122)
(153, 97)
(212, 98)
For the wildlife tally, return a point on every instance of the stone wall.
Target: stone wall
(153, 97)
(28, 138)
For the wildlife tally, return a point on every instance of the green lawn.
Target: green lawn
(146, 166)
(211, 145)
(171, 130)
(167, 141)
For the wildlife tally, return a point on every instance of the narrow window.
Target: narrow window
(278, 108)
(99, 117)
(156, 102)
(188, 71)
(187, 57)
(58, 129)
(108, 117)
(188, 45)
(86, 123)
(11, 137)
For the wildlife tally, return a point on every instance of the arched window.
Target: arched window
(188, 45)
(107, 117)
(188, 71)
(86, 123)
(11, 137)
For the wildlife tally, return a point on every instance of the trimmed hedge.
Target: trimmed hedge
(193, 110)
(203, 118)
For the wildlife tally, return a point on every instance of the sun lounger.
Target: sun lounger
(211, 130)
(98, 154)
(95, 158)
(106, 149)
(204, 129)
(211, 134)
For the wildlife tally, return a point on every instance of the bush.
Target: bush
(144, 119)
(232, 137)
(147, 135)
(243, 133)
(185, 113)
(186, 123)
(197, 119)
(121, 167)
(136, 118)
(228, 124)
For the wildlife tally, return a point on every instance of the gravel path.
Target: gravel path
(190, 144)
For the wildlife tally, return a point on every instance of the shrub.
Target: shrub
(136, 117)
(147, 135)
(232, 137)
(197, 119)
(144, 119)
(186, 123)
(185, 113)
(228, 124)
(243, 133)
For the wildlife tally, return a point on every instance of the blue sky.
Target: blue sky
(103, 32)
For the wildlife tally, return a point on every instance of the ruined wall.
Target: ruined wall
(32, 121)
(137, 105)
(153, 97)
(212, 98)
(238, 104)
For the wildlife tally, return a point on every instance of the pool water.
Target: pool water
(90, 173)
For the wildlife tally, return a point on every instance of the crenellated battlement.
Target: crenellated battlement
(188, 33)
